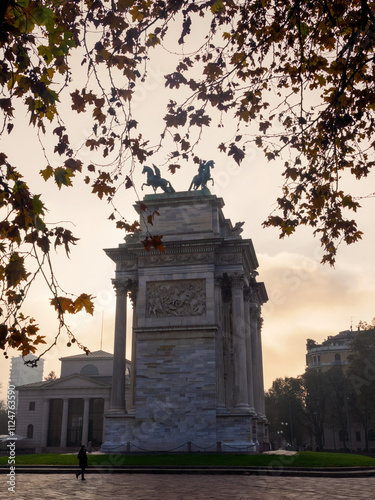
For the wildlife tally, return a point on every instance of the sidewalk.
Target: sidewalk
(277, 469)
(185, 487)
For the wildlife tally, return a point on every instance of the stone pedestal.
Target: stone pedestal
(196, 353)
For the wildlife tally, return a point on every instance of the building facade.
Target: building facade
(196, 375)
(60, 414)
(351, 431)
(20, 373)
(333, 351)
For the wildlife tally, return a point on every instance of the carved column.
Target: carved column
(261, 378)
(241, 400)
(118, 378)
(220, 384)
(256, 354)
(64, 423)
(249, 358)
(227, 341)
(133, 297)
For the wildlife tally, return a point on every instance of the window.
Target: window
(31, 405)
(89, 370)
(30, 431)
(371, 435)
(337, 359)
(358, 435)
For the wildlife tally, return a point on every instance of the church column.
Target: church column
(45, 423)
(106, 408)
(241, 401)
(220, 387)
(64, 423)
(249, 359)
(85, 425)
(118, 378)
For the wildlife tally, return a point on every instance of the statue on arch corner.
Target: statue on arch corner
(203, 176)
(155, 180)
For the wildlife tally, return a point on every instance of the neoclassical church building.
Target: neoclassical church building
(60, 414)
(195, 381)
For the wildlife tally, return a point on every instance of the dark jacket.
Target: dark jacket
(82, 457)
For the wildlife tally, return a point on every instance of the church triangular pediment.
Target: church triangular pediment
(75, 380)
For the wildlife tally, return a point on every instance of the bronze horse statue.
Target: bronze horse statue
(155, 180)
(203, 176)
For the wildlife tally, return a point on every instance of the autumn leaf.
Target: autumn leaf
(47, 172)
(73, 165)
(63, 177)
(237, 153)
(128, 182)
(63, 304)
(84, 301)
(64, 237)
(154, 241)
(173, 168)
(15, 270)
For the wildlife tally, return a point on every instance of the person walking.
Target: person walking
(82, 457)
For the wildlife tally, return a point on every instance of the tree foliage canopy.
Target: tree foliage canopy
(297, 77)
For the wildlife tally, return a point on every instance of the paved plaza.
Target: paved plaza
(184, 487)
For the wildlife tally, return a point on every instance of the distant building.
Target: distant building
(60, 414)
(331, 352)
(20, 373)
(334, 351)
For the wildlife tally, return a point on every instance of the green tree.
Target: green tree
(339, 402)
(51, 376)
(361, 375)
(316, 401)
(295, 77)
(285, 411)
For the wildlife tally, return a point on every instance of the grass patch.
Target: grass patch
(301, 459)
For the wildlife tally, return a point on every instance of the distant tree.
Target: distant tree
(296, 79)
(361, 375)
(339, 401)
(310, 343)
(285, 411)
(316, 401)
(51, 376)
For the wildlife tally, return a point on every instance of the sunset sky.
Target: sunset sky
(306, 299)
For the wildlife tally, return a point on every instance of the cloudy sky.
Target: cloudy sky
(306, 299)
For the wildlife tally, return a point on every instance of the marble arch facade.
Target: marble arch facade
(196, 375)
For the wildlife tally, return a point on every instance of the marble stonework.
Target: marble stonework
(196, 374)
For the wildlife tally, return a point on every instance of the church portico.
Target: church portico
(196, 372)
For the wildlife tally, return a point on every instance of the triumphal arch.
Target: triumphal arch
(196, 381)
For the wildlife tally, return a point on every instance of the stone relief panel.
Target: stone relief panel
(176, 298)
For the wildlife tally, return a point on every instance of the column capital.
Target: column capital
(237, 280)
(123, 286)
